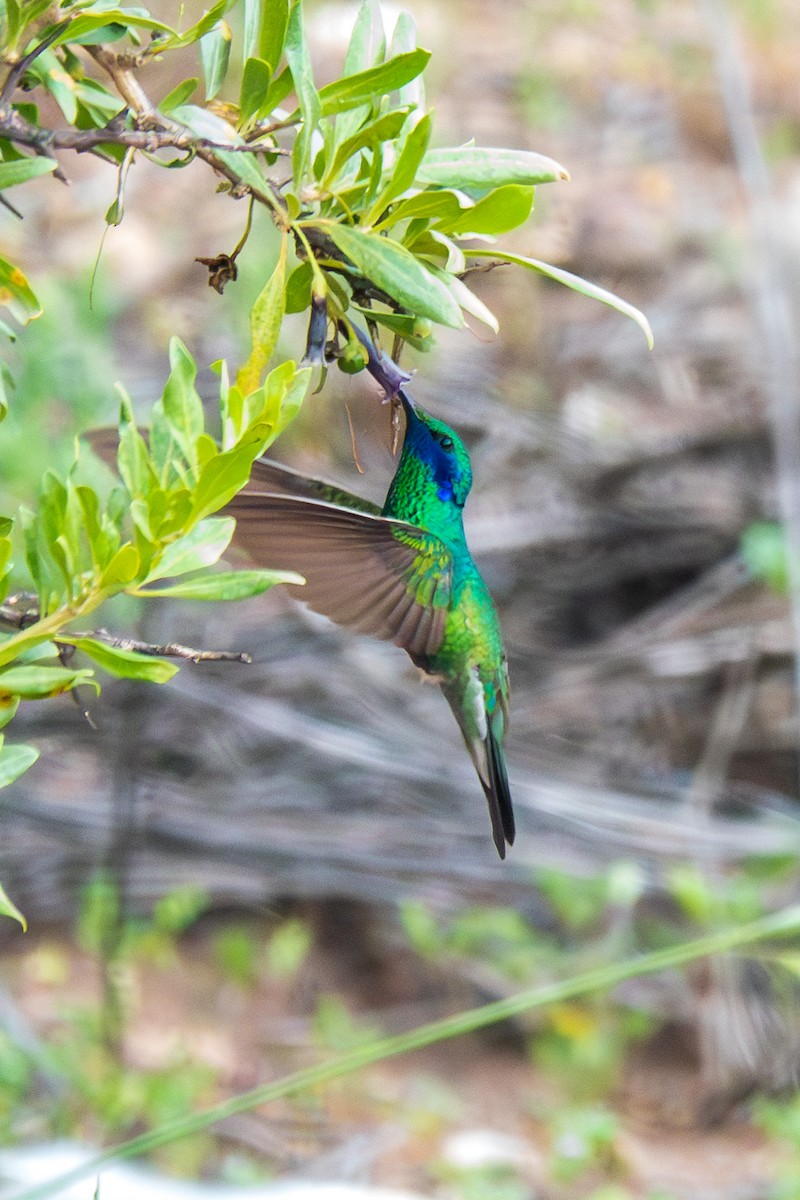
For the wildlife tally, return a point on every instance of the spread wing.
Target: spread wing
(379, 576)
(269, 476)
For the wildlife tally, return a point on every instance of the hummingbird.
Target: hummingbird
(402, 573)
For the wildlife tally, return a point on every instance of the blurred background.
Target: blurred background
(252, 866)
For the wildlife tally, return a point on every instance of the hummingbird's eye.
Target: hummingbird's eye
(446, 442)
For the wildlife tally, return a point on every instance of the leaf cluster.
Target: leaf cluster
(379, 222)
(154, 528)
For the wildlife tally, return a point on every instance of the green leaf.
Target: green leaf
(227, 585)
(503, 209)
(394, 269)
(472, 168)
(466, 299)
(299, 60)
(35, 683)
(404, 39)
(271, 32)
(265, 324)
(122, 569)
(125, 664)
(298, 288)
(179, 95)
(201, 547)
(7, 909)
(214, 129)
(87, 23)
(441, 204)
(20, 170)
(256, 79)
(106, 33)
(367, 41)
(372, 134)
(215, 53)
(133, 460)
(222, 477)
(367, 47)
(197, 31)
(183, 407)
(405, 171)
(366, 86)
(16, 293)
(8, 710)
(576, 283)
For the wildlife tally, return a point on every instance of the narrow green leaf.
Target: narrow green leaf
(8, 710)
(125, 664)
(252, 20)
(466, 298)
(201, 547)
(576, 283)
(226, 585)
(501, 210)
(87, 23)
(197, 31)
(132, 456)
(394, 269)
(214, 129)
(366, 86)
(12, 22)
(404, 40)
(16, 293)
(7, 909)
(367, 41)
(106, 33)
(372, 134)
(215, 53)
(440, 204)
(179, 95)
(366, 48)
(222, 477)
(299, 60)
(471, 168)
(279, 89)
(298, 288)
(265, 324)
(182, 405)
(272, 31)
(283, 394)
(405, 170)
(35, 683)
(256, 78)
(20, 170)
(122, 569)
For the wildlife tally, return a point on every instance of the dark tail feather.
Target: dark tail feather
(498, 796)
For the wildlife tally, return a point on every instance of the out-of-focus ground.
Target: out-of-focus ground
(653, 716)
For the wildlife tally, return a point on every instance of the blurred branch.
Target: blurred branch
(20, 612)
(771, 291)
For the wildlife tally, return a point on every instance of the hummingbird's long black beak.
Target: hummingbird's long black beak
(408, 405)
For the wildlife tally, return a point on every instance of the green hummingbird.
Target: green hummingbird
(402, 573)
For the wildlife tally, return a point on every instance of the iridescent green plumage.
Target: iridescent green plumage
(403, 573)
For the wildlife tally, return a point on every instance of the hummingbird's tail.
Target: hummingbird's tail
(498, 795)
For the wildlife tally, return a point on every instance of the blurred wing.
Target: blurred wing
(378, 576)
(269, 476)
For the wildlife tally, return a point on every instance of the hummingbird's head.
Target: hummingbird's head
(440, 452)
